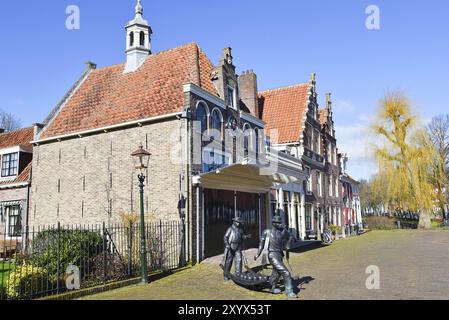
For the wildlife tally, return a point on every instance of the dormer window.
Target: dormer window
(10, 164)
(231, 98)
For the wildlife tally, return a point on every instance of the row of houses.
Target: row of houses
(220, 148)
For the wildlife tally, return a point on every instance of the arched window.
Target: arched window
(257, 141)
(201, 116)
(131, 39)
(246, 137)
(216, 124)
(142, 38)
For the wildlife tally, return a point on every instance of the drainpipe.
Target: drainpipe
(198, 224)
(27, 210)
(187, 190)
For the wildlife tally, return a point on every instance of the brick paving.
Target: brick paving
(413, 265)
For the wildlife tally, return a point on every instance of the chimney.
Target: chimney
(37, 129)
(248, 92)
(2, 130)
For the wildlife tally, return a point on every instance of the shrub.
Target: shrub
(116, 269)
(3, 295)
(335, 229)
(381, 223)
(27, 280)
(74, 246)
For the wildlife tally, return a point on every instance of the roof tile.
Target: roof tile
(284, 109)
(22, 137)
(108, 96)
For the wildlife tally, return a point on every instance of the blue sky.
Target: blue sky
(283, 41)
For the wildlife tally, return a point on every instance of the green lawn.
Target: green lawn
(5, 269)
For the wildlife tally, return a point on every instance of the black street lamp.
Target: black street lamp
(141, 159)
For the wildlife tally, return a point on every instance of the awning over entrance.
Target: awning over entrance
(250, 177)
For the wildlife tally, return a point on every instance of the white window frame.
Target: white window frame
(234, 97)
(336, 186)
(319, 177)
(309, 181)
(16, 172)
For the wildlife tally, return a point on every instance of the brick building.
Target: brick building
(15, 181)
(351, 205)
(306, 132)
(332, 195)
(202, 124)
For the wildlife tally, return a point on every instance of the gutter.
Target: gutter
(106, 129)
(14, 185)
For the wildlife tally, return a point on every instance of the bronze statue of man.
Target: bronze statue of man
(233, 241)
(278, 239)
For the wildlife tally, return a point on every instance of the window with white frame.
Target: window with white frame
(309, 180)
(246, 139)
(214, 159)
(231, 97)
(308, 217)
(319, 184)
(316, 141)
(201, 117)
(13, 215)
(334, 155)
(10, 164)
(331, 185)
(336, 186)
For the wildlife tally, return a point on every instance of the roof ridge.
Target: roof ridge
(152, 55)
(17, 130)
(285, 87)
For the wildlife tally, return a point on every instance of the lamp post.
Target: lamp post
(141, 159)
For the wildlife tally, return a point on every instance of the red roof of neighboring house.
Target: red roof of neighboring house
(285, 109)
(108, 96)
(21, 137)
(24, 176)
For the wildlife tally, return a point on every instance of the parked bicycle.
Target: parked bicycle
(326, 237)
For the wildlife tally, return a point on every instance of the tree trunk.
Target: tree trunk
(424, 220)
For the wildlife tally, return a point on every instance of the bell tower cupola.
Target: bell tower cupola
(138, 40)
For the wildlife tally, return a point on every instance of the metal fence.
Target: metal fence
(50, 260)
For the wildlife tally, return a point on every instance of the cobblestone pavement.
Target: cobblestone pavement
(413, 265)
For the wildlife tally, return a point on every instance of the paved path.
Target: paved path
(412, 264)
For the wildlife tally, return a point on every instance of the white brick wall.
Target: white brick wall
(93, 158)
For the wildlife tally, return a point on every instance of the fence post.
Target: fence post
(58, 271)
(26, 240)
(104, 253)
(183, 243)
(130, 247)
(161, 259)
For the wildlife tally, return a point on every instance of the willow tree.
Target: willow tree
(405, 157)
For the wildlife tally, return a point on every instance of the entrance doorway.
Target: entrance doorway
(219, 209)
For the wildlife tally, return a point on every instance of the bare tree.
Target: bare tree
(439, 135)
(8, 121)
(438, 131)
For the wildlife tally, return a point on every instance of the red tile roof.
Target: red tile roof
(285, 109)
(21, 137)
(24, 176)
(108, 96)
